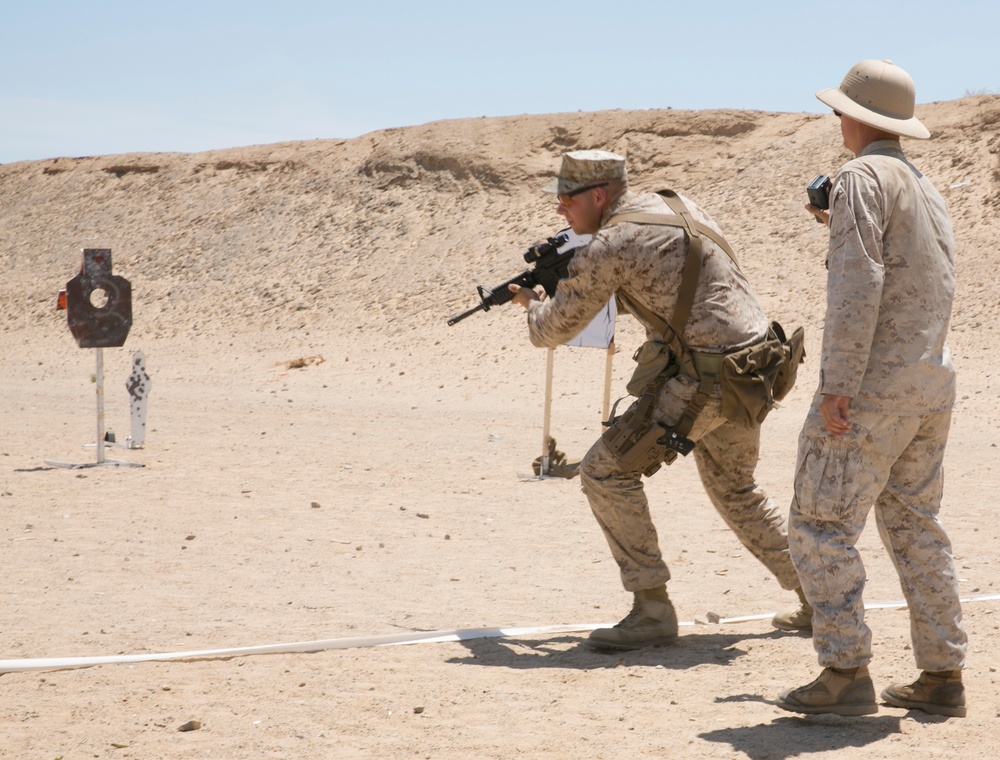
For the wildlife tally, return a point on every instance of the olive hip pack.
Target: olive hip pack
(755, 379)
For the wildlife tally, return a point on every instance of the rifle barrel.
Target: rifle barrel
(464, 314)
(545, 267)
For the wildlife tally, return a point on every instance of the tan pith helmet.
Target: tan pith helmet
(879, 94)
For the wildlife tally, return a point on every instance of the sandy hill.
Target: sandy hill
(401, 222)
(327, 458)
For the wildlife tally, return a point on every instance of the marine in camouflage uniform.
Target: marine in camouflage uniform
(878, 426)
(646, 262)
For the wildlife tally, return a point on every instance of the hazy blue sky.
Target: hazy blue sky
(109, 76)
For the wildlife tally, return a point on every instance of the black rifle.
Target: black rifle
(550, 266)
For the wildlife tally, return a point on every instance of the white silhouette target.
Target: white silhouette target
(138, 386)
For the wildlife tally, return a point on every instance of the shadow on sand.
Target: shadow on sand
(803, 735)
(574, 652)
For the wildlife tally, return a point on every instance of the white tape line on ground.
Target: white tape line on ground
(425, 637)
(900, 604)
(356, 642)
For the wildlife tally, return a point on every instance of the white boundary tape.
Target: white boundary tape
(422, 637)
(394, 639)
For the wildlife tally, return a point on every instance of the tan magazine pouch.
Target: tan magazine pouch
(653, 361)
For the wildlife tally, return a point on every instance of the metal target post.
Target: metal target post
(100, 405)
(543, 470)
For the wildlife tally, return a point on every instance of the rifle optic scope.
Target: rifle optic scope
(536, 252)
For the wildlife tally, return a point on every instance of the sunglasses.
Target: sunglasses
(837, 114)
(566, 199)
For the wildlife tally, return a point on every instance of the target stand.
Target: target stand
(99, 312)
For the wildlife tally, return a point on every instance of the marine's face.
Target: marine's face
(584, 209)
(851, 130)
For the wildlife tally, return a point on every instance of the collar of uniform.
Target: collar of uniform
(627, 203)
(883, 147)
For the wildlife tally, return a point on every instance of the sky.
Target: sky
(100, 77)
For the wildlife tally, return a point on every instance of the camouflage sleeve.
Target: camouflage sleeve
(590, 283)
(854, 283)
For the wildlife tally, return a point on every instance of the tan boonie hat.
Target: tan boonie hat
(586, 168)
(879, 94)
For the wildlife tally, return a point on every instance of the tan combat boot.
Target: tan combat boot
(841, 691)
(937, 693)
(651, 623)
(795, 620)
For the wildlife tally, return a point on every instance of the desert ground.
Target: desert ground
(326, 458)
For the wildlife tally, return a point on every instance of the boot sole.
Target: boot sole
(928, 707)
(663, 641)
(845, 710)
(792, 628)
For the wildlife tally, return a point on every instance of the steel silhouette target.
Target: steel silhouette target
(98, 308)
(98, 303)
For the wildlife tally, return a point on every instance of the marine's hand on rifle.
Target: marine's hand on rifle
(522, 295)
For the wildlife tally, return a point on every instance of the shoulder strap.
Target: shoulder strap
(692, 265)
(680, 218)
